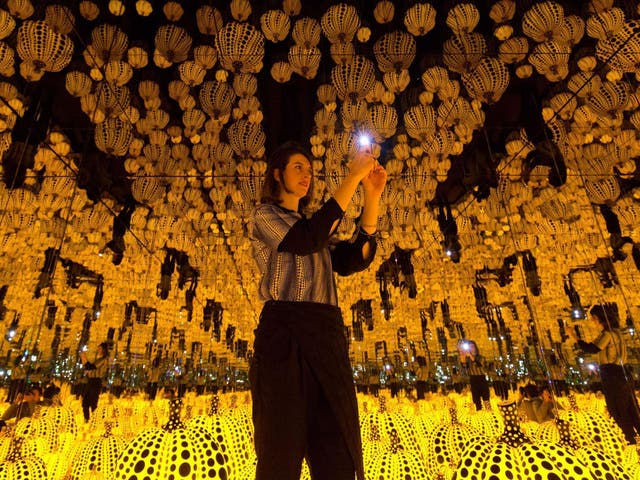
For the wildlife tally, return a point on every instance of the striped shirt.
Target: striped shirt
(97, 369)
(294, 255)
(474, 367)
(612, 347)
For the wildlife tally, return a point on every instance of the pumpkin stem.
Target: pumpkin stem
(573, 403)
(382, 404)
(512, 434)
(174, 422)
(374, 435)
(108, 426)
(395, 441)
(453, 412)
(213, 406)
(15, 452)
(565, 434)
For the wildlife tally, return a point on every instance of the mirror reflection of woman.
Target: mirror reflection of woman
(612, 355)
(17, 380)
(473, 364)
(95, 372)
(304, 403)
(154, 378)
(557, 374)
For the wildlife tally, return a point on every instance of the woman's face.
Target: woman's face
(295, 179)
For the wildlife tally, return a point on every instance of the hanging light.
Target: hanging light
(89, 10)
(113, 137)
(420, 19)
(304, 61)
(340, 23)
(463, 53)
(172, 44)
(275, 25)
(395, 51)
(109, 43)
(463, 18)
(209, 20)
(306, 32)
(281, 72)
(353, 80)
(42, 49)
(247, 139)
(488, 81)
(240, 47)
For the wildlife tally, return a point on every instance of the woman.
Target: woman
(422, 375)
(473, 364)
(95, 371)
(612, 355)
(17, 383)
(558, 380)
(154, 378)
(304, 402)
(537, 405)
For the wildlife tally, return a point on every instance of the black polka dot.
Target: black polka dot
(184, 469)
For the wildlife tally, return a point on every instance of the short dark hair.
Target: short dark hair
(530, 390)
(279, 159)
(607, 315)
(51, 391)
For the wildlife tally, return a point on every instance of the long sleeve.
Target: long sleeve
(588, 347)
(603, 340)
(292, 253)
(98, 369)
(10, 412)
(272, 225)
(346, 256)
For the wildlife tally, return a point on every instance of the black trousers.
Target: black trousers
(560, 388)
(421, 388)
(620, 399)
(479, 390)
(501, 389)
(90, 397)
(16, 386)
(302, 407)
(152, 390)
(374, 389)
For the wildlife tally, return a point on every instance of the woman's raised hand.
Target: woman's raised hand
(362, 164)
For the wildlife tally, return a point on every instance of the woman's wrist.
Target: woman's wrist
(372, 196)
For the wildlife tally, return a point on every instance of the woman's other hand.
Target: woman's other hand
(375, 180)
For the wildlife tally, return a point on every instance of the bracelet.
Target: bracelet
(367, 234)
